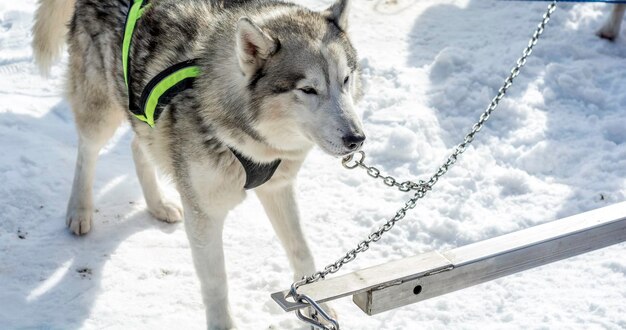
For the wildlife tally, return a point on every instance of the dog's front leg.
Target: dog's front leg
(146, 172)
(279, 202)
(281, 208)
(610, 29)
(204, 232)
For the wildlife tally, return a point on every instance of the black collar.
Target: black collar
(256, 173)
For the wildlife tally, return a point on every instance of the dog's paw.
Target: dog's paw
(219, 326)
(79, 221)
(607, 33)
(167, 211)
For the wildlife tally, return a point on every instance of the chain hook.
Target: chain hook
(357, 160)
(293, 291)
(317, 311)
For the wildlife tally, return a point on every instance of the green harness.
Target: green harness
(163, 87)
(160, 90)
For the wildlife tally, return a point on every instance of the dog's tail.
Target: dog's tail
(49, 30)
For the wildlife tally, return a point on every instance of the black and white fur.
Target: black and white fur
(276, 79)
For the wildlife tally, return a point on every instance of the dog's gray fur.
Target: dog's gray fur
(260, 62)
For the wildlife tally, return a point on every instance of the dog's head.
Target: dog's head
(303, 77)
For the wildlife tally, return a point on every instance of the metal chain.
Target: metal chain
(421, 187)
(352, 162)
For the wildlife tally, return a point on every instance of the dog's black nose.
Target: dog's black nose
(353, 141)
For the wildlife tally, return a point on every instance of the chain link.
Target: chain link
(420, 187)
(350, 162)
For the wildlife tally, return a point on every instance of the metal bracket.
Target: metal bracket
(406, 281)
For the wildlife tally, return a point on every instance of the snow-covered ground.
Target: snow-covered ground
(556, 147)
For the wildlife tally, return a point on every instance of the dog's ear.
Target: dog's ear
(338, 14)
(253, 46)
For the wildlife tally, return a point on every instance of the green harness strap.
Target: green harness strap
(160, 90)
(163, 87)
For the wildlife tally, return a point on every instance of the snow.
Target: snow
(555, 147)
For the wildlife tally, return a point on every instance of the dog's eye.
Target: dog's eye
(309, 90)
(345, 81)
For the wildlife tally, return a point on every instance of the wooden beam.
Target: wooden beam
(406, 281)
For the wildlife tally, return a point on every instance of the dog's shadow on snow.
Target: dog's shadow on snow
(60, 275)
(572, 92)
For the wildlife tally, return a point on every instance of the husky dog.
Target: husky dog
(276, 79)
(610, 29)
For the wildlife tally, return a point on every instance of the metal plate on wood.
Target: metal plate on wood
(365, 279)
(504, 255)
(406, 281)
